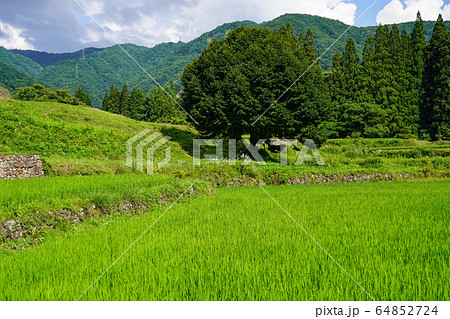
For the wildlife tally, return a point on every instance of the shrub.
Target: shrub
(40, 93)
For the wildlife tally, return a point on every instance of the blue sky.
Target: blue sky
(61, 26)
(370, 17)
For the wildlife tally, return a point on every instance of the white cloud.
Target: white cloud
(94, 7)
(148, 23)
(60, 25)
(11, 37)
(398, 11)
(205, 15)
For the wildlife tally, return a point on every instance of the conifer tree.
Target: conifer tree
(114, 100)
(433, 69)
(83, 97)
(106, 104)
(410, 94)
(440, 119)
(334, 80)
(381, 66)
(350, 72)
(367, 71)
(400, 99)
(393, 98)
(124, 101)
(159, 107)
(309, 46)
(418, 45)
(136, 101)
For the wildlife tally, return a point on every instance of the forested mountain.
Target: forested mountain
(11, 79)
(170, 66)
(20, 63)
(45, 59)
(96, 72)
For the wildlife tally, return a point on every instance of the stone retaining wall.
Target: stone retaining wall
(20, 166)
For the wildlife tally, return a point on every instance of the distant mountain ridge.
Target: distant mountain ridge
(95, 72)
(45, 59)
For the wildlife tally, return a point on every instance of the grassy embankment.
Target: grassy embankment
(74, 140)
(40, 206)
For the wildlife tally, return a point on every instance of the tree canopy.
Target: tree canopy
(158, 105)
(235, 80)
(83, 97)
(40, 93)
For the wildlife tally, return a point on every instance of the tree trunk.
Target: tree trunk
(254, 137)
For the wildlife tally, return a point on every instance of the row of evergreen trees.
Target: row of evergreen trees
(158, 105)
(400, 87)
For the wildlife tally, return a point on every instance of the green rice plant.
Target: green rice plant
(393, 239)
(19, 198)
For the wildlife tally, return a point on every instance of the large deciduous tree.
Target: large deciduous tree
(235, 80)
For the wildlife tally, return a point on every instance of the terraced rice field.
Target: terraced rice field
(392, 238)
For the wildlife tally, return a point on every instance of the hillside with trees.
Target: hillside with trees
(20, 63)
(11, 79)
(248, 83)
(165, 62)
(387, 81)
(40, 93)
(158, 105)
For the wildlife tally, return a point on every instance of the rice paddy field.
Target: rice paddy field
(23, 197)
(392, 238)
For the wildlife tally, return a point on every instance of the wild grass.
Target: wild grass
(42, 206)
(24, 191)
(393, 238)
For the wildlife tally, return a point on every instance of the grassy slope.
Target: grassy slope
(73, 139)
(40, 207)
(239, 245)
